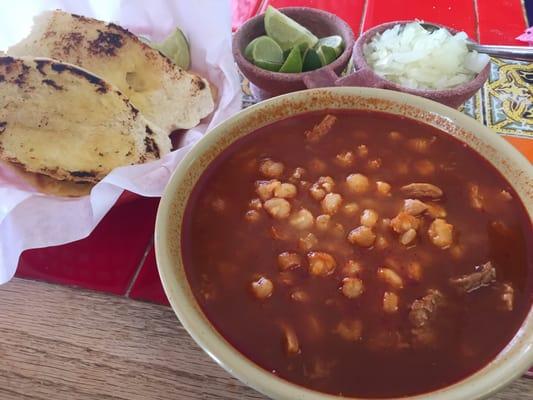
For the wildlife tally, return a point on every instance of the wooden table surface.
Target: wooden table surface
(62, 343)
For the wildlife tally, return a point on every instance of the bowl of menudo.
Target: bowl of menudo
(356, 243)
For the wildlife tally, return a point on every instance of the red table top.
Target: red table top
(118, 257)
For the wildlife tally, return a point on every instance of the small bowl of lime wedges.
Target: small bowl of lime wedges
(279, 50)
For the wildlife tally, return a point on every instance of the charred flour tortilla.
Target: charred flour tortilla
(64, 122)
(167, 95)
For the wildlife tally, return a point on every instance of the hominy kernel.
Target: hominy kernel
(390, 302)
(262, 288)
(352, 287)
(369, 218)
(271, 168)
(390, 277)
(302, 219)
(362, 236)
(383, 188)
(331, 203)
(357, 183)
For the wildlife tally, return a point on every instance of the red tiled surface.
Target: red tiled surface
(104, 261)
(242, 10)
(349, 10)
(500, 21)
(458, 14)
(147, 285)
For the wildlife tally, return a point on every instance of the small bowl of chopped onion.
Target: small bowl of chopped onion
(406, 57)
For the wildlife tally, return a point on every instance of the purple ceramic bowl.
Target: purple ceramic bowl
(365, 76)
(321, 23)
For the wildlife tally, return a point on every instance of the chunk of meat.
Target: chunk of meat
(423, 310)
(420, 190)
(278, 208)
(357, 183)
(321, 129)
(362, 236)
(441, 233)
(331, 203)
(414, 206)
(320, 188)
(404, 222)
(302, 219)
(271, 169)
(262, 288)
(288, 260)
(350, 329)
(307, 242)
(265, 189)
(352, 287)
(286, 191)
(321, 263)
(482, 276)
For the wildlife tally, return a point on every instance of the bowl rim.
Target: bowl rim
(359, 61)
(340, 61)
(492, 377)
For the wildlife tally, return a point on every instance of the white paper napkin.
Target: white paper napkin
(33, 220)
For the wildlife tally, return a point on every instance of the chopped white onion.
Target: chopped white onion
(419, 59)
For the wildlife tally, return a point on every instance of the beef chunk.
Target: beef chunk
(423, 310)
(483, 275)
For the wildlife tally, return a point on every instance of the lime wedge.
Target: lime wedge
(266, 49)
(249, 48)
(335, 42)
(293, 63)
(326, 54)
(268, 65)
(175, 47)
(286, 31)
(311, 60)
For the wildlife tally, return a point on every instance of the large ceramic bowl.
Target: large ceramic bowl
(517, 356)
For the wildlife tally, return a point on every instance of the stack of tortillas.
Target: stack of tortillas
(79, 97)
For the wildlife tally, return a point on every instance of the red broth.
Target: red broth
(399, 316)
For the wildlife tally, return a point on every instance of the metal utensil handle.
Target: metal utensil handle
(521, 53)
